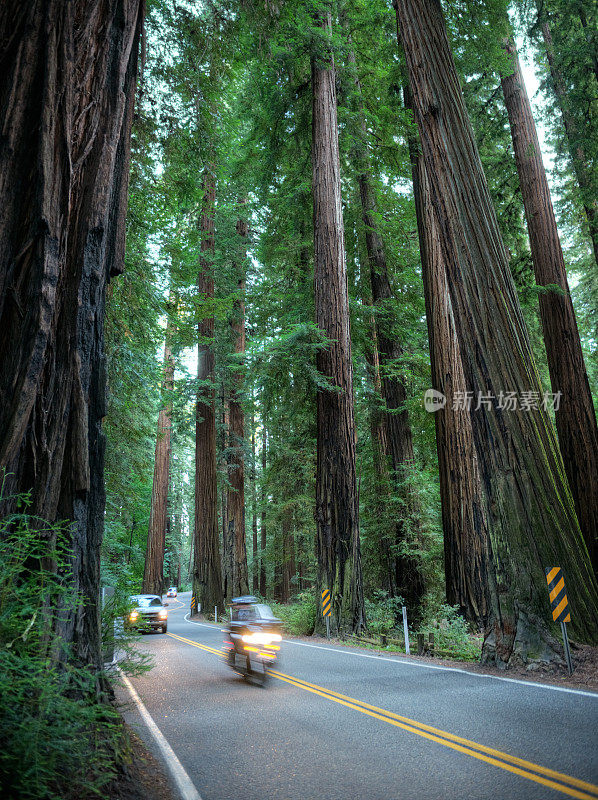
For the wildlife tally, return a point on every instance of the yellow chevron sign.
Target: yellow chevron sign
(558, 595)
(326, 603)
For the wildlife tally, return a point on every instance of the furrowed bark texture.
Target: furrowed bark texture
(236, 473)
(67, 85)
(531, 515)
(263, 540)
(337, 537)
(385, 529)
(575, 416)
(254, 540)
(153, 575)
(467, 550)
(207, 575)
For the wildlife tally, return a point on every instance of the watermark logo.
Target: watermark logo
(503, 401)
(434, 401)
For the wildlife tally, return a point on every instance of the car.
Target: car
(172, 591)
(147, 611)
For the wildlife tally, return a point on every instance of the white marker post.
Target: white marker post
(406, 631)
(215, 613)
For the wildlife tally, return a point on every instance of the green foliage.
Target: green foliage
(59, 737)
(452, 634)
(383, 613)
(299, 617)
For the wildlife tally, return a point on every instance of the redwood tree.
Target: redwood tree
(530, 511)
(575, 416)
(156, 537)
(67, 84)
(337, 537)
(207, 574)
(467, 553)
(397, 441)
(236, 477)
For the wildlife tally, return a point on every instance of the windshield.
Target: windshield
(265, 611)
(244, 613)
(146, 602)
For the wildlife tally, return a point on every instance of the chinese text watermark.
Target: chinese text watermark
(505, 401)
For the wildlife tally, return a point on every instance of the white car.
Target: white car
(172, 591)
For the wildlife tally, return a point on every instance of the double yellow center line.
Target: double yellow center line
(573, 787)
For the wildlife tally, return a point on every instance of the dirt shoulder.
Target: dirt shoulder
(584, 657)
(142, 777)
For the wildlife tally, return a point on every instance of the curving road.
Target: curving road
(338, 724)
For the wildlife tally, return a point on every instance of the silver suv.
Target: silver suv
(148, 612)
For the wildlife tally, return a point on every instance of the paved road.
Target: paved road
(341, 724)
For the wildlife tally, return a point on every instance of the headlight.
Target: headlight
(133, 616)
(162, 614)
(261, 638)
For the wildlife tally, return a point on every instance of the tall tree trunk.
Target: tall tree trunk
(222, 447)
(530, 510)
(153, 574)
(255, 572)
(467, 552)
(263, 515)
(288, 555)
(575, 416)
(337, 537)
(576, 151)
(385, 530)
(408, 577)
(64, 169)
(207, 576)
(236, 489)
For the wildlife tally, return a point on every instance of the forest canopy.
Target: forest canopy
(292, 221)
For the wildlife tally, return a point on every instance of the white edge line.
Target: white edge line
(405, 663)
(178, 773)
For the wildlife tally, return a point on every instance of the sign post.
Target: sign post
(326, 610)
(560, 606)
(406, 631)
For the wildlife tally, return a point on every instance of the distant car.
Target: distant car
(172, 591)
(148, 611)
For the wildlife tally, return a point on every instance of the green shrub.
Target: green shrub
(299, 617)
(383, 613)
(451, 632)
(59, 737)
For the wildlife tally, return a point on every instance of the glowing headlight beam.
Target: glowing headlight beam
(261, 638)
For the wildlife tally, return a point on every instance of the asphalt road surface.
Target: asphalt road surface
(339, 724)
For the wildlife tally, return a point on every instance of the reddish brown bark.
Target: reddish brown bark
(255, 572)
(153, 575)
(575, 416)
(531, 516)
(467, 551)
(385, 528)
(263, 514)
(337, 538)
(236, 473)
(207, 576)
(67, 84)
